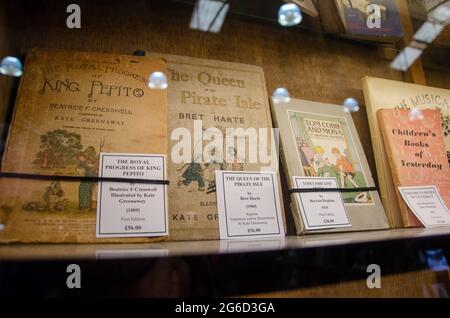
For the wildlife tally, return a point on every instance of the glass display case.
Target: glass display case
(98, 98)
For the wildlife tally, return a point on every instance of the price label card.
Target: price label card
(248, 204)
(427, 205)
(126, 209)
(320, 210)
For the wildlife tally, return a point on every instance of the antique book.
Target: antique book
(354, 18)
(381, 93)
(416, 153)
(71, 106)
(320, 140)
(207, 96)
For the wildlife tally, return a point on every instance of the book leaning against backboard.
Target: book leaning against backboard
(416, 153)
(71, 106)
(206, 97)
(382, 93)
(320, 140)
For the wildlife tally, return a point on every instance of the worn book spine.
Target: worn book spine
(385, 183)
(71, 106)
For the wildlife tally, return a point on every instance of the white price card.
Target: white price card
(248, 204)
(427, 205)
(126, 209)
(320, 210)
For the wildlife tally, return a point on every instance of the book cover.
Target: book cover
(349, 18)
(70, 107)
(416, 153)
(382, 93)
(356, 14)
(208, 96)
(320, 140)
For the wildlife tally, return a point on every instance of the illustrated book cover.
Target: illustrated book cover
(416, 153)
(71, 106)
(320, 140)
(206, 98)
(382, 93)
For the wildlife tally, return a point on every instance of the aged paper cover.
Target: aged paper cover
(416, 153)
(70, 107)
(209, 94)
(382, 93)
(320, 140)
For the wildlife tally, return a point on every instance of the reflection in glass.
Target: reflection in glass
(281, 95)
(289, 14)
(415, 114)
(428, 32)
(11, 66)
(436, 260)
(406, 58)
(351, 105)
(209, 15)
(157, 80)
(441, 14)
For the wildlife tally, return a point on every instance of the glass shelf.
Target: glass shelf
(413, 262)
(53, 252)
